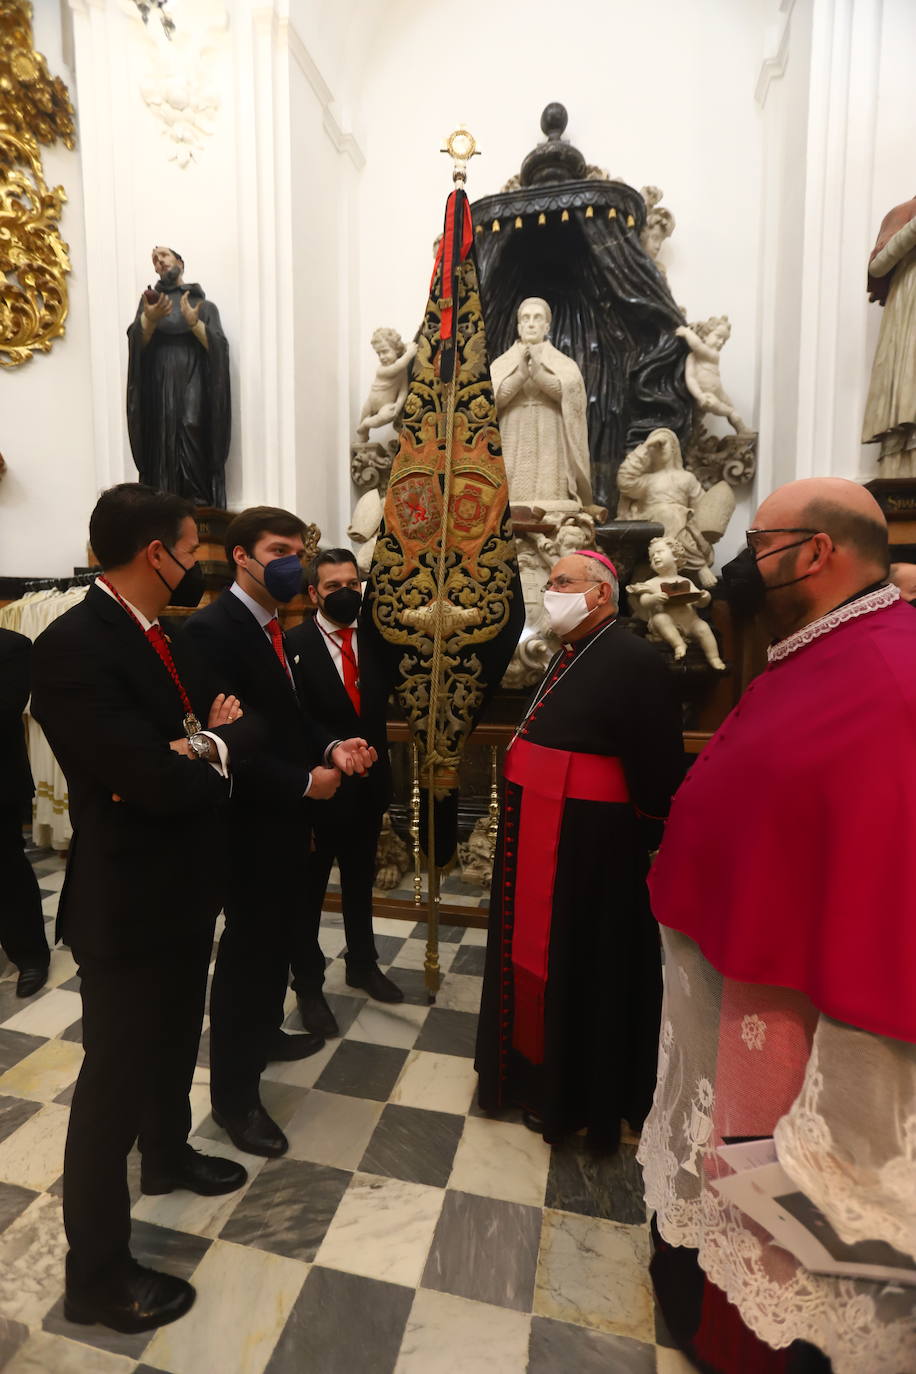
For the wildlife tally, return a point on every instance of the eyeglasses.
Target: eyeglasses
(751, 535)
(559, 584)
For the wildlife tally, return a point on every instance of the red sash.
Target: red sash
(549, 778)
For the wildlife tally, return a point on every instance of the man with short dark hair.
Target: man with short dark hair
(344, 687)
(121, 704)
(22, 927)
(241, 635)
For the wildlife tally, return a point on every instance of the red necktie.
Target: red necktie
(350, 670)
(276, 637)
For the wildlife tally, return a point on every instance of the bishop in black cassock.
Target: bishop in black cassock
(569, 1020)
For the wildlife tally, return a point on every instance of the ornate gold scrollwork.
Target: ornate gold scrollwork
(34, 260)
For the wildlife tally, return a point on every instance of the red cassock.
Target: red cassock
(790, 851)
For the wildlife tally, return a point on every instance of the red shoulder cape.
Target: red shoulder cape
(790, 852)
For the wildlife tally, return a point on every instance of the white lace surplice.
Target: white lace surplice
(735, 1059)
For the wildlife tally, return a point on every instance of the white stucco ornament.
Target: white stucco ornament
(180, 86)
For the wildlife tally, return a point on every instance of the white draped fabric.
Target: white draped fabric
(30, 615)
(740, 1059)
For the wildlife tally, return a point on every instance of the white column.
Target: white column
(103, 100)
(833, 370)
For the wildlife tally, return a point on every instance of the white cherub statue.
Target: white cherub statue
(389, 386)
(704, 381)
(668, 601)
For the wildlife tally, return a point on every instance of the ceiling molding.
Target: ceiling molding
(774, 64)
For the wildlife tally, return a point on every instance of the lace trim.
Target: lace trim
(881, 1205)
(860, 1326)
(875, 601)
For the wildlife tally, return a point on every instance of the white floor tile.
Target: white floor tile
(595, 1273)
(474, 936)
(413, 955)
(244, 1297)
(499, 1159)
(383, 1229)
(48, 1015)
(32, 1253)
(47, 1354)
(460, 992)
(672, 1362)
(63, 967)
(389, 925)
(301, 1073)
(45, 1072)
(33, 1156)
(438, 1082)
(446, 1334)
(331, 1128)
(381, 1023)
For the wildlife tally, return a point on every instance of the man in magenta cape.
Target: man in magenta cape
(788, 863)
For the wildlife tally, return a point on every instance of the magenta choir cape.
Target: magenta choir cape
(790, 852)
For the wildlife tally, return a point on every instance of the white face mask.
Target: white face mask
(566, 610)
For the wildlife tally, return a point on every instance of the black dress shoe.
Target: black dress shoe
(137, 1299)
(32, 977)
(285, 1047)
(207, 1175)
(376, 984)
(317, 1016)
(254, 1132)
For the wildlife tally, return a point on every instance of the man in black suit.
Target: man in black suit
(22, 928)
(121, 705)
(343, 686)
(269, 819)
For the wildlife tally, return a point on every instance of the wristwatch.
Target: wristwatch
(201, 746)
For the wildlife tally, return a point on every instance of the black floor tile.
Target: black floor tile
(470, 959)
(390, 946)
(555, 1346)
(362, 1070)
(12, 1335)
(15, 1112)
(288, 1208)
(15, 1045)
(448, 935)
(414, 1144)
(73, 1032)
(448, 1032)
(341, 1324)
(596, 1185)
(485, 1250)
(13, 1202)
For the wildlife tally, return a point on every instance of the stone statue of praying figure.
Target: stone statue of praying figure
(541, 403)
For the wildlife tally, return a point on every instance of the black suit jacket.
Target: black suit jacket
(228, 635)
(16, 784)
(324, 696)
(147, 870)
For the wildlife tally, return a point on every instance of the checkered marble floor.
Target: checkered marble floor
(403, 1232)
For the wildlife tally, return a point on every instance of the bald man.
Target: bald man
(786, 891)
(572, 988)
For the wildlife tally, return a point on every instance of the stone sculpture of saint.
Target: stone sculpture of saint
(178, 402)
(890, 411)
(541, 403)
(654, 485)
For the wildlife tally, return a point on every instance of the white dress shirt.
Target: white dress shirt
(261, 616)
(222, 748)
(330, 634)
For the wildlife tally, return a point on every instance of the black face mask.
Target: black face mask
(342, 606)
(743, 584)
(190, 589)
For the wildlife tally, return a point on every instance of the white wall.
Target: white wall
(46, 432)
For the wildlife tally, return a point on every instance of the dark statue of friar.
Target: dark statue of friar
(178, 406)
